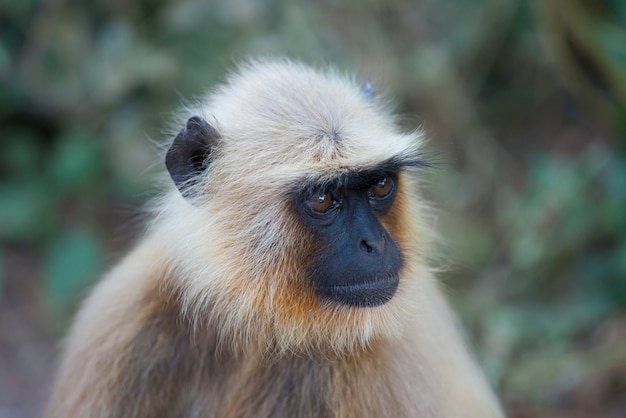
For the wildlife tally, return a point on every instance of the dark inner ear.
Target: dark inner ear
(187, 157)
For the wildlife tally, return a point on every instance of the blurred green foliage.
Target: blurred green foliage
(73, 257)
(525, 102)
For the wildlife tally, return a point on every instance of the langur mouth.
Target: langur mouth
(372, 292)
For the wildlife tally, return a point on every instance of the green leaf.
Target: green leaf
(76, 162)
(26, 211)
(21, 153)
(73, 262)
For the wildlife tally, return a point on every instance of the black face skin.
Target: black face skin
(358, 262)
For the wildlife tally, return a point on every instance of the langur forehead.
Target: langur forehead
(294, 98)
(287, 121)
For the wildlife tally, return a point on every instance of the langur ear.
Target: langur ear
(186, 159)
(368, 90)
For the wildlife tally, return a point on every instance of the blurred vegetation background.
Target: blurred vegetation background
(524, 102)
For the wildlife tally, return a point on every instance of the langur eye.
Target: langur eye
(382, 188)
(321, 202)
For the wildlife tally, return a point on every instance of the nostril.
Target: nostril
(365, 246)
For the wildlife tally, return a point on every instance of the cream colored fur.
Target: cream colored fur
(231, 258)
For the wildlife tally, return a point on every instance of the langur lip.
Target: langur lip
(379, 282)
(373, 292)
